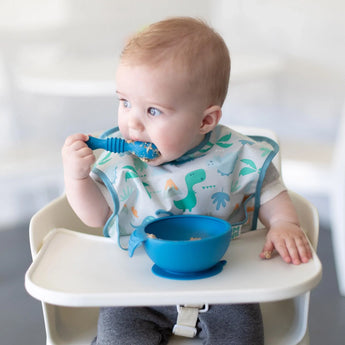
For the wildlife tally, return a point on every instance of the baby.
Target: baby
(171, 83)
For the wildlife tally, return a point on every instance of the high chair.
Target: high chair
(67, 276)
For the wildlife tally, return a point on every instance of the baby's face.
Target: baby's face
(156, 107)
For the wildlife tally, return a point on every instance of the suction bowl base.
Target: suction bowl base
(217, 268)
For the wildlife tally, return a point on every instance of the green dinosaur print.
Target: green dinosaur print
(265, 151)
(105, 159)
(250, 169)
(146, 186)
(139, 164)
(208, 145)
(192, 178)
(221, 142)
(235, 186)
(126, 193)
(130, 174)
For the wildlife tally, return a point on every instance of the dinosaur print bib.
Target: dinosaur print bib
(221, 177)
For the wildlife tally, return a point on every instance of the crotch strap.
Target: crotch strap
(187, 317)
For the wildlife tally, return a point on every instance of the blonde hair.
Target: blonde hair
(194, 48)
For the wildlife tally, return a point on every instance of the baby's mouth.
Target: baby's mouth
(146, 151)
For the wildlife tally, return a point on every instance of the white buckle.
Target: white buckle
(187, 318)
(184, 331)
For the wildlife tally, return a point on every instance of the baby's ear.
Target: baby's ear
(210, 119)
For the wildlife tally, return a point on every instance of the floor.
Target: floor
(21, 319)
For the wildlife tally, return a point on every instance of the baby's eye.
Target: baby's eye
(154, 111)
(126, 103)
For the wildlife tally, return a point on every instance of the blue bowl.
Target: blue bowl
(188, 243)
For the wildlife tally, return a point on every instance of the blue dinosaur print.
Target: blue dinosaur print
(231, 160)
(221, 199)
(192, 178)
(163, 213)
(245, 142)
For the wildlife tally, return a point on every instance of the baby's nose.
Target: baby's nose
(135, 121)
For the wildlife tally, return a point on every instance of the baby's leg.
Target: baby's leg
(232, 324)
(134, 326)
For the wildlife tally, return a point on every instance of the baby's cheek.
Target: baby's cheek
(174, 147)
(122, 123)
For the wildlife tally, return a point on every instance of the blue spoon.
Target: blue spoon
(143, 150)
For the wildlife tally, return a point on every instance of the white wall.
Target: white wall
(58, 59)
(309, 38)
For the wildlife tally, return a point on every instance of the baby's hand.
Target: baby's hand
(77, 157)
(289, 241)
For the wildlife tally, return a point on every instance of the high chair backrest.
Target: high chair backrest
(285, 322)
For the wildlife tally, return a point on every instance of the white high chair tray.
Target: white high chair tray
(76, 269)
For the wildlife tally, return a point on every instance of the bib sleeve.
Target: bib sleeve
(272, 185)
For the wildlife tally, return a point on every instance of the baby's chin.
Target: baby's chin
(155, 162)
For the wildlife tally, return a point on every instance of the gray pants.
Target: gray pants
(231, 324)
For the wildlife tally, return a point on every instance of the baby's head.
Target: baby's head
(191, 47)
(173, 77)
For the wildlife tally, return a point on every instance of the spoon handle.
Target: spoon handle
(141, 149)
(116, 145)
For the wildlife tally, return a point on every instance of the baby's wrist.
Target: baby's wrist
(280, 222)
(71, 178)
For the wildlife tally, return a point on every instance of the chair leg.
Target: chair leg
(338, 235)
(337, 203)
(305, 340)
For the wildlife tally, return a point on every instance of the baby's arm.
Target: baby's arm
(82, 192)
(284, 232)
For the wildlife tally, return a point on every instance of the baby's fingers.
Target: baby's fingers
(296, 251)
(70, 140)
(290, 242)
(278, 244)
(293, 252)
(77, 157)
(304, 249)
(75, 145)
(267, 250)
(286, 252)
